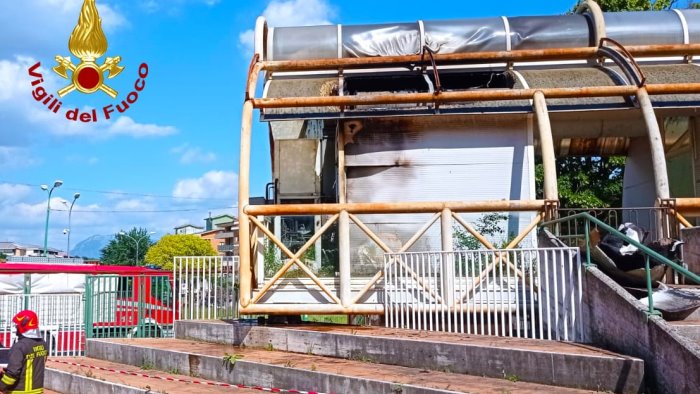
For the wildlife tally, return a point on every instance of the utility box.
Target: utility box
(297, 167)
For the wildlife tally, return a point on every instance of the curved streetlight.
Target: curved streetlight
(70, 211)
(56, 184)
(137, 242)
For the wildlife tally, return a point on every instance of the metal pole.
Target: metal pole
(344, 258)
(70, 212)
(547, 145)
(343, 227)
(474, 95)
(56, 183)
(656, 145)
(243, 200)
(448, 269)
(485, 57)
(46, 226)
(394, 207)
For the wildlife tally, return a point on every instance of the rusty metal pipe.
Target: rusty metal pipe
(549, 161)
(311, 309)
(396, 207)
(473, 95)
(688, 206)
(411, 61)
(243, 199)
(656, 145)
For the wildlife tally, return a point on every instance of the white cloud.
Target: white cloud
(172, 6)
(11, 192)
(213, 184)
(192, 154)
(85, 160)
(291, 13)
(127, 126)
(134, 204)
(14, 157)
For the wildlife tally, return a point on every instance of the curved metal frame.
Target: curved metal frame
(345, 211)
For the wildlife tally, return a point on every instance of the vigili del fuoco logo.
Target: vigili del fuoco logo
(88, 44)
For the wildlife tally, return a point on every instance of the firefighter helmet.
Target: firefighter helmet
(26, 321)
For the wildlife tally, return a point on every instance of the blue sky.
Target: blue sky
(173, 156)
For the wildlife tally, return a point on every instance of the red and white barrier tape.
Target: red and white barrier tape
(171, 379)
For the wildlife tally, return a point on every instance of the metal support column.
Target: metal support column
(243, 200)
(448, 269)
(656, 144)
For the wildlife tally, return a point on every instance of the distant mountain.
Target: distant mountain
(90, 247)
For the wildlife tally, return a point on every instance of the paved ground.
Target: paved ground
(155, 385)
(358, 368)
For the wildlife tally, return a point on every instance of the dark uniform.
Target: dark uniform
(25, 368)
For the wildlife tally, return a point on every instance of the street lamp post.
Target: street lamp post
(70, 211)
(56, 184)
(137, 241)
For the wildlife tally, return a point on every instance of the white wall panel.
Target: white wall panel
(432, 159)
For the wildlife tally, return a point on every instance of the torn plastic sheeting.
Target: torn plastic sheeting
(537, 32)
(381, 40)
(466, 35)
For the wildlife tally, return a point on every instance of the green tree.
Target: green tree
(489, 225)
(162, 253)
(634, 5)
(586, 182)
(123, 249)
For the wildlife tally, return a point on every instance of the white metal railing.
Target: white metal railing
(205, 287)
(61, 320)
(526, 293)
(45, 260)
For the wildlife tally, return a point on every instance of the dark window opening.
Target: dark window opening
(475, 80)
(397, 83)
(417, 83)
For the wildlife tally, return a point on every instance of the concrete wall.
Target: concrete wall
(691, 248)
(638, 184)
(672, 362)
(65, 382)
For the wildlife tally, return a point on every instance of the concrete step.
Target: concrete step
(307, 372)
(98, 376)
(545, 362)
(688, 328)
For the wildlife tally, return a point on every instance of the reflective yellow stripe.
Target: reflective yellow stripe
(29, 376)
(8, 380)
(37, 391)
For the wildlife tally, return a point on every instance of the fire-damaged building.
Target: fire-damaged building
(389, 141)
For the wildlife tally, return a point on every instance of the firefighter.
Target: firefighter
(25, 367)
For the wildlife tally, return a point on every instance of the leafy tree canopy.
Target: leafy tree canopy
(162, 253)
(123, 249)
(635, 5)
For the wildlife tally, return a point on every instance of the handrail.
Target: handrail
(646, 250)
(650, 252)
